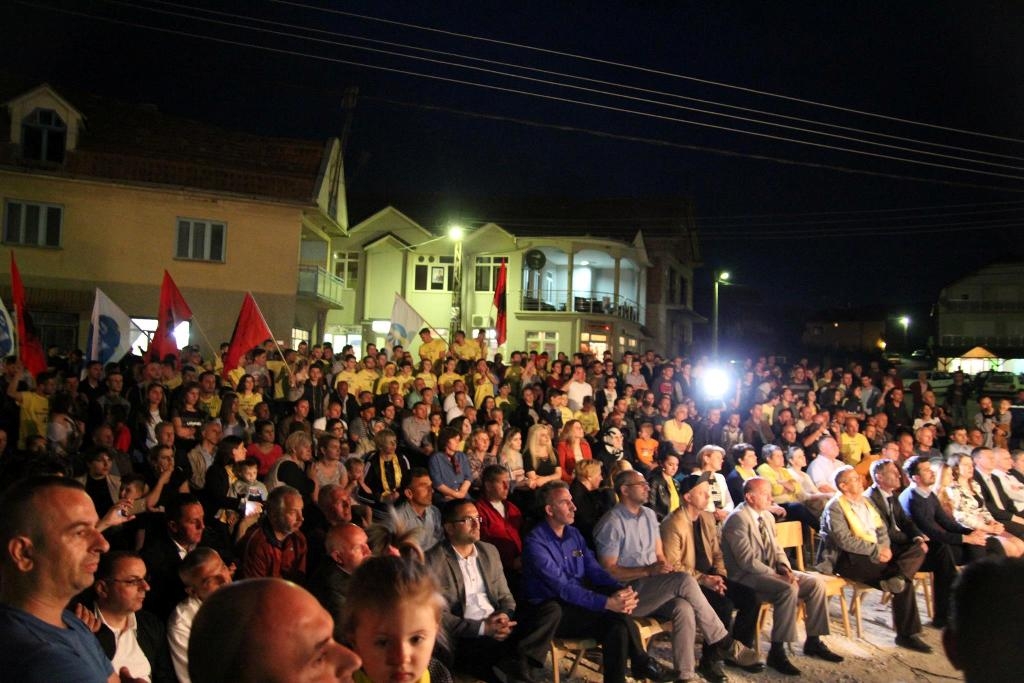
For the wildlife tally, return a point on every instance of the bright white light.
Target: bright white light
(716, 383)
(455, 232)
(181, 334)
(905, 321)
(381, 326)
(723, 276)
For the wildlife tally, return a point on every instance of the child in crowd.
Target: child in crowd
(588, 417)
(247, 488)
(391, 619)
(646, 448)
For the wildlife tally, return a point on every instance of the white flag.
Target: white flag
(405, 324)
(109, 331)
(6, 332)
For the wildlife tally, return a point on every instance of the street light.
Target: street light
(905, 321)
(455, 233)
(721, 277)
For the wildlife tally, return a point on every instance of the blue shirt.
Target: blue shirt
(562, 568)
(33, 651)
(631, 538)
(442, 472)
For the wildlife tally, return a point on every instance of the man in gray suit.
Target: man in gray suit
(480, 608)
(753, 558)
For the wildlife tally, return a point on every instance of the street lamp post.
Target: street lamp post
(721, 277)
(455, 233)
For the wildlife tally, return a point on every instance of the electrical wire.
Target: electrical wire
(581, 78)
(593, 105)
(645, 70)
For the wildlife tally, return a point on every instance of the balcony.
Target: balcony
(964, 306)
(600, 303)
(996, 340)
(317, 283)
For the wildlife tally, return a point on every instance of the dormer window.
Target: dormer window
(43, 136)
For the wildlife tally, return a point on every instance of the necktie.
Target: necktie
(766, 542)
(996, 489)
(892, 511)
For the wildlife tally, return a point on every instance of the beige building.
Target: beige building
(98, 193)
(985, 308)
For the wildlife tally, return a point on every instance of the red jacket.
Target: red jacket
(567, 461)
(504, 533)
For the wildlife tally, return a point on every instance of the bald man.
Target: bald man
(269, 630)
(347, 547)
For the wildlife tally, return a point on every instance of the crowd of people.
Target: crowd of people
(414, 515)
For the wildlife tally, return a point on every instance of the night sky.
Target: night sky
(811, 226)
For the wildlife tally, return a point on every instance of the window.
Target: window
(32, 224)
(346, 266)
(201, 240)
(43, 136)
(541, 341)
(434, 274)
(299, 335)
(487, 268)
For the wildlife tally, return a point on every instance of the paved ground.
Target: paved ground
(873, 659)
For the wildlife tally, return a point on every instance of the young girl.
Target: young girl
(391, 619)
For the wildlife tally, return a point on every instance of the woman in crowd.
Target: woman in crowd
(249, 396)
(572, 448)
(589, 497)
(386, 470)
(806, 493)
(477, 453)
(220, 480)
(328, 467)
(785, 488)
(540, 459)
(449, 468)
(149, 416)
(967, 505)
(292, 468)
(231, 421)
(745, 459)
(510, 456)
(264, 446)
(664, 493)
(711, 459)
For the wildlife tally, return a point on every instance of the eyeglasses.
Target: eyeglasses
(134, 582)
(466, 520)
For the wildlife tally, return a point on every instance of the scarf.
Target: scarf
(853, 521)
(396, 471)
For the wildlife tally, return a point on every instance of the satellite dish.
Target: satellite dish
(535, 259)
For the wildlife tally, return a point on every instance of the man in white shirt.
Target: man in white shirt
(203, 572)
(578, 388)
(479, 617)
(129, 636)
(823, 468)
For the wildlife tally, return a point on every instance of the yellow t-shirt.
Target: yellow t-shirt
(589, 421)
(433, 350)
(35, 413)
(446, 380)
(677, 431)
(468, 350)
(350, 376)
(853, 448)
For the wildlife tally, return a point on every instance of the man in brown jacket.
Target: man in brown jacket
(690, 539)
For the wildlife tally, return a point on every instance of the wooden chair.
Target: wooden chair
(573, 649)
(791, 535)
(650, 627)
(924, 581)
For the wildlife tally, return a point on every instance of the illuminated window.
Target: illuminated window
(487, 268)
(434, 274)
(346, 266)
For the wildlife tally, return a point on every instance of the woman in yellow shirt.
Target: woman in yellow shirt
(786, 490)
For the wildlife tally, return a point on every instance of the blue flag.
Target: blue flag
(109, 331)
(7, 346)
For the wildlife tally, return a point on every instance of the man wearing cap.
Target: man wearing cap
(689, 537)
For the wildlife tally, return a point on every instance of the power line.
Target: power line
(582, 78)
(644, 100)
(597, 60)
(680, 145)
(510, 90)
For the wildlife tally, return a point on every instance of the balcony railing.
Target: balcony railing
(598, 303)
(999, 340)
(961, 306)
(317, 282)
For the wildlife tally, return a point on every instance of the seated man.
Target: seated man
(501, 521)
(924, 510)
(203, 572)
(347, 546)
(267, 630)
(690, 541)
(755, 559)
(903, 532)
(855, 545)
(480, 611)
(418, 512)
(276, 546)
(130, 636)
(559, 571)
(629, 548)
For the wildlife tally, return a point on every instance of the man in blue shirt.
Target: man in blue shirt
(51, 550)
(558, 567)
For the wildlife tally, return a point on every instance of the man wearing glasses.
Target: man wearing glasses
(480, 615)
(130, 636)
(628, 542)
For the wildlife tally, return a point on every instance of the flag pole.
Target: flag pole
(447, 342)
(273, 338)
(213, 349)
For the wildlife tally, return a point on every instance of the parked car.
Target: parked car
(997, 383)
